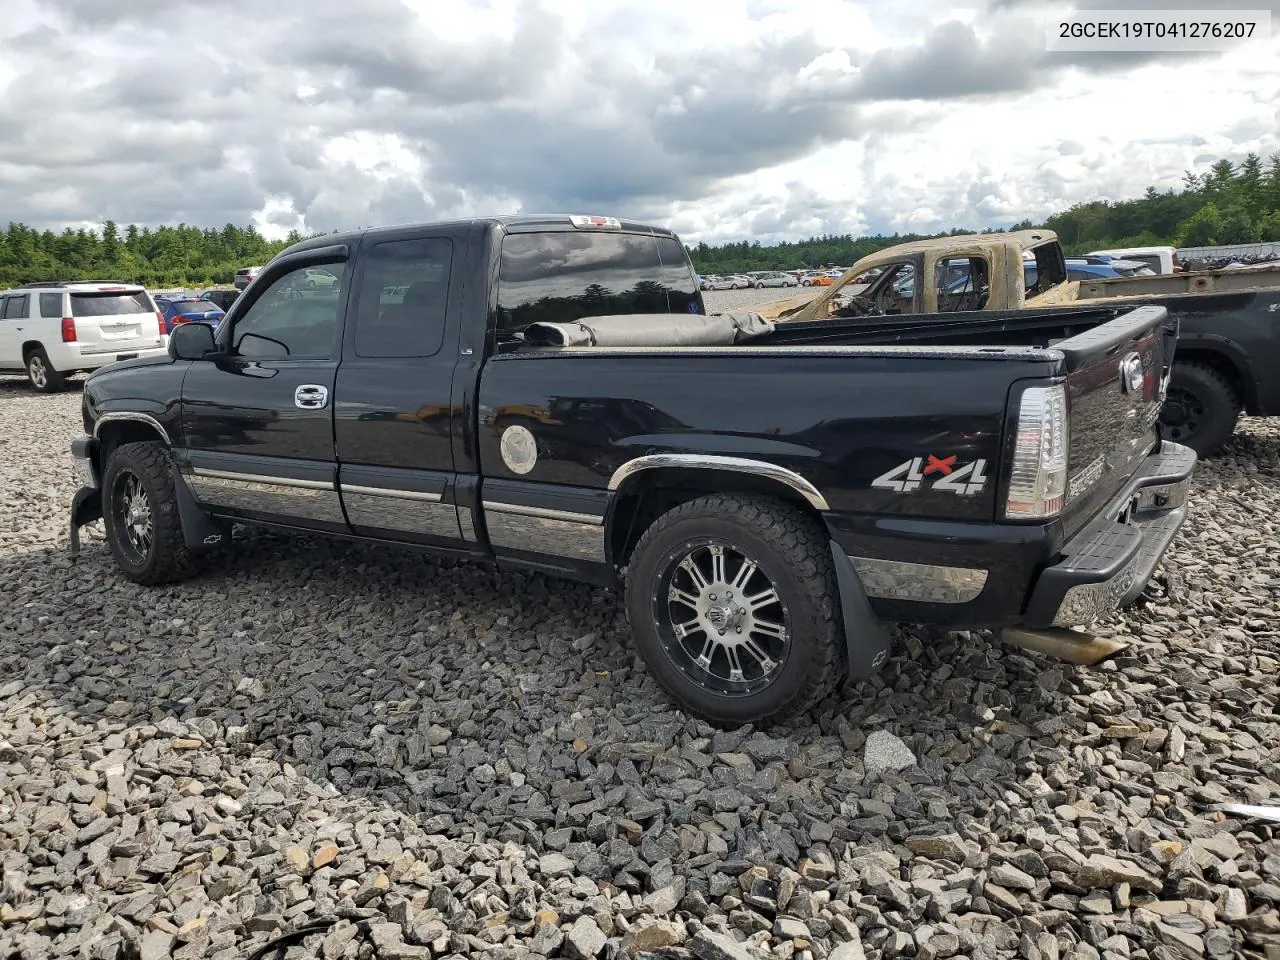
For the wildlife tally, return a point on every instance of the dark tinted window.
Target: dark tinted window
(108, 304)
(294, 319)
(677, 277)
(193, 306)
(559, 277)
(51, 305)
(403, 293)
(16, 308)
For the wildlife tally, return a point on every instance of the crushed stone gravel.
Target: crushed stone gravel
(457, 762)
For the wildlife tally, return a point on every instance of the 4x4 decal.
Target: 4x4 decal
(935, 473)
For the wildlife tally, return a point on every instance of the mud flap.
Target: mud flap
(866, 638)
(86, 507)
(199, 530)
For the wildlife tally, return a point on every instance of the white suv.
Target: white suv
(53, 329)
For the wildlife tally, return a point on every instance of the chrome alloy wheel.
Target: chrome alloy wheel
(722, 619)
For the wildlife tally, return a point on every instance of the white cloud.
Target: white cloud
(726, 119)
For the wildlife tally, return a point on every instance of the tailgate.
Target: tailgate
(1116, 379)
(113, 320)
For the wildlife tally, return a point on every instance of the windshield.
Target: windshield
(108, 304)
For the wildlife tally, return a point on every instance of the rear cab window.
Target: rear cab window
(559, 277)
(403, 297)
(109, 304)
(962, 283)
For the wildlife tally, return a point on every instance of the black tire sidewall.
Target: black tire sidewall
(124, 459)
(1222, 408)
(53, 381)
(807, 629)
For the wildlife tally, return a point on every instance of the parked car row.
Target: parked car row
(55, 329)
(760, 279)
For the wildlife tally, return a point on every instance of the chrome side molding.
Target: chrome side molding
(920, 582)
(557, 533)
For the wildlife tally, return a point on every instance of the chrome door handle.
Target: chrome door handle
(311, 396)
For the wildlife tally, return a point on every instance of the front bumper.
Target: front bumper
(1108, 564)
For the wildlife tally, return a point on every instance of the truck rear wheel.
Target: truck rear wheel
(140, 514)
(732, 601)
(1201, 408)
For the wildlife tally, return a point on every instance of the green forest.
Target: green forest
(163, 257)
(1227, 203)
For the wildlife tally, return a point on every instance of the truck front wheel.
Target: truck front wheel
(1201, 408)
(733, 603)
(140, 514)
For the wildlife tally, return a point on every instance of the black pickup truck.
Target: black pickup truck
(549, 393)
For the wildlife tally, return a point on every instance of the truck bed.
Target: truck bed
(841, 401)
(1167, 285)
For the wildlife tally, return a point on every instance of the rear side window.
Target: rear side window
(963, 283)
(561, 277)
(403, 296)
(51, 305)
(108, 304)
(16, 307)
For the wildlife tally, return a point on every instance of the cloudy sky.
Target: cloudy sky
(724, 119)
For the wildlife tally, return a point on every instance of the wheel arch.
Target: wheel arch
(119, 427)
(31, 346)
(647, 487)
(1226, 358)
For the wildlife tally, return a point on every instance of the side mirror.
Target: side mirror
(191, 341)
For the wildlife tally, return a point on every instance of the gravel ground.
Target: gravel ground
(466, 764)
(726, 301)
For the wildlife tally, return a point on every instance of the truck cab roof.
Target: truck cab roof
(517, 223)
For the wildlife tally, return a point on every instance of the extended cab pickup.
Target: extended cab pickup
(549, 393)
(1229, 320)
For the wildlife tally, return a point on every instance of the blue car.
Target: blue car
(189, 310)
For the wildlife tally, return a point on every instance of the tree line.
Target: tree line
(1227, 203)
(165, 256)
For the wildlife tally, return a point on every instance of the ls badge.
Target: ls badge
(947, 476)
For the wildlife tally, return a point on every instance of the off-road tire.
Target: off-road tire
(37, 363)
(1217, 398)
(169, 559)
(792, 550)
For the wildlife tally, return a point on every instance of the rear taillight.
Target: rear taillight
(1038, 479)
(160, 323)
(68, 330)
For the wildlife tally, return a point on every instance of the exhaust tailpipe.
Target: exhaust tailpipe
(1083, 649)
